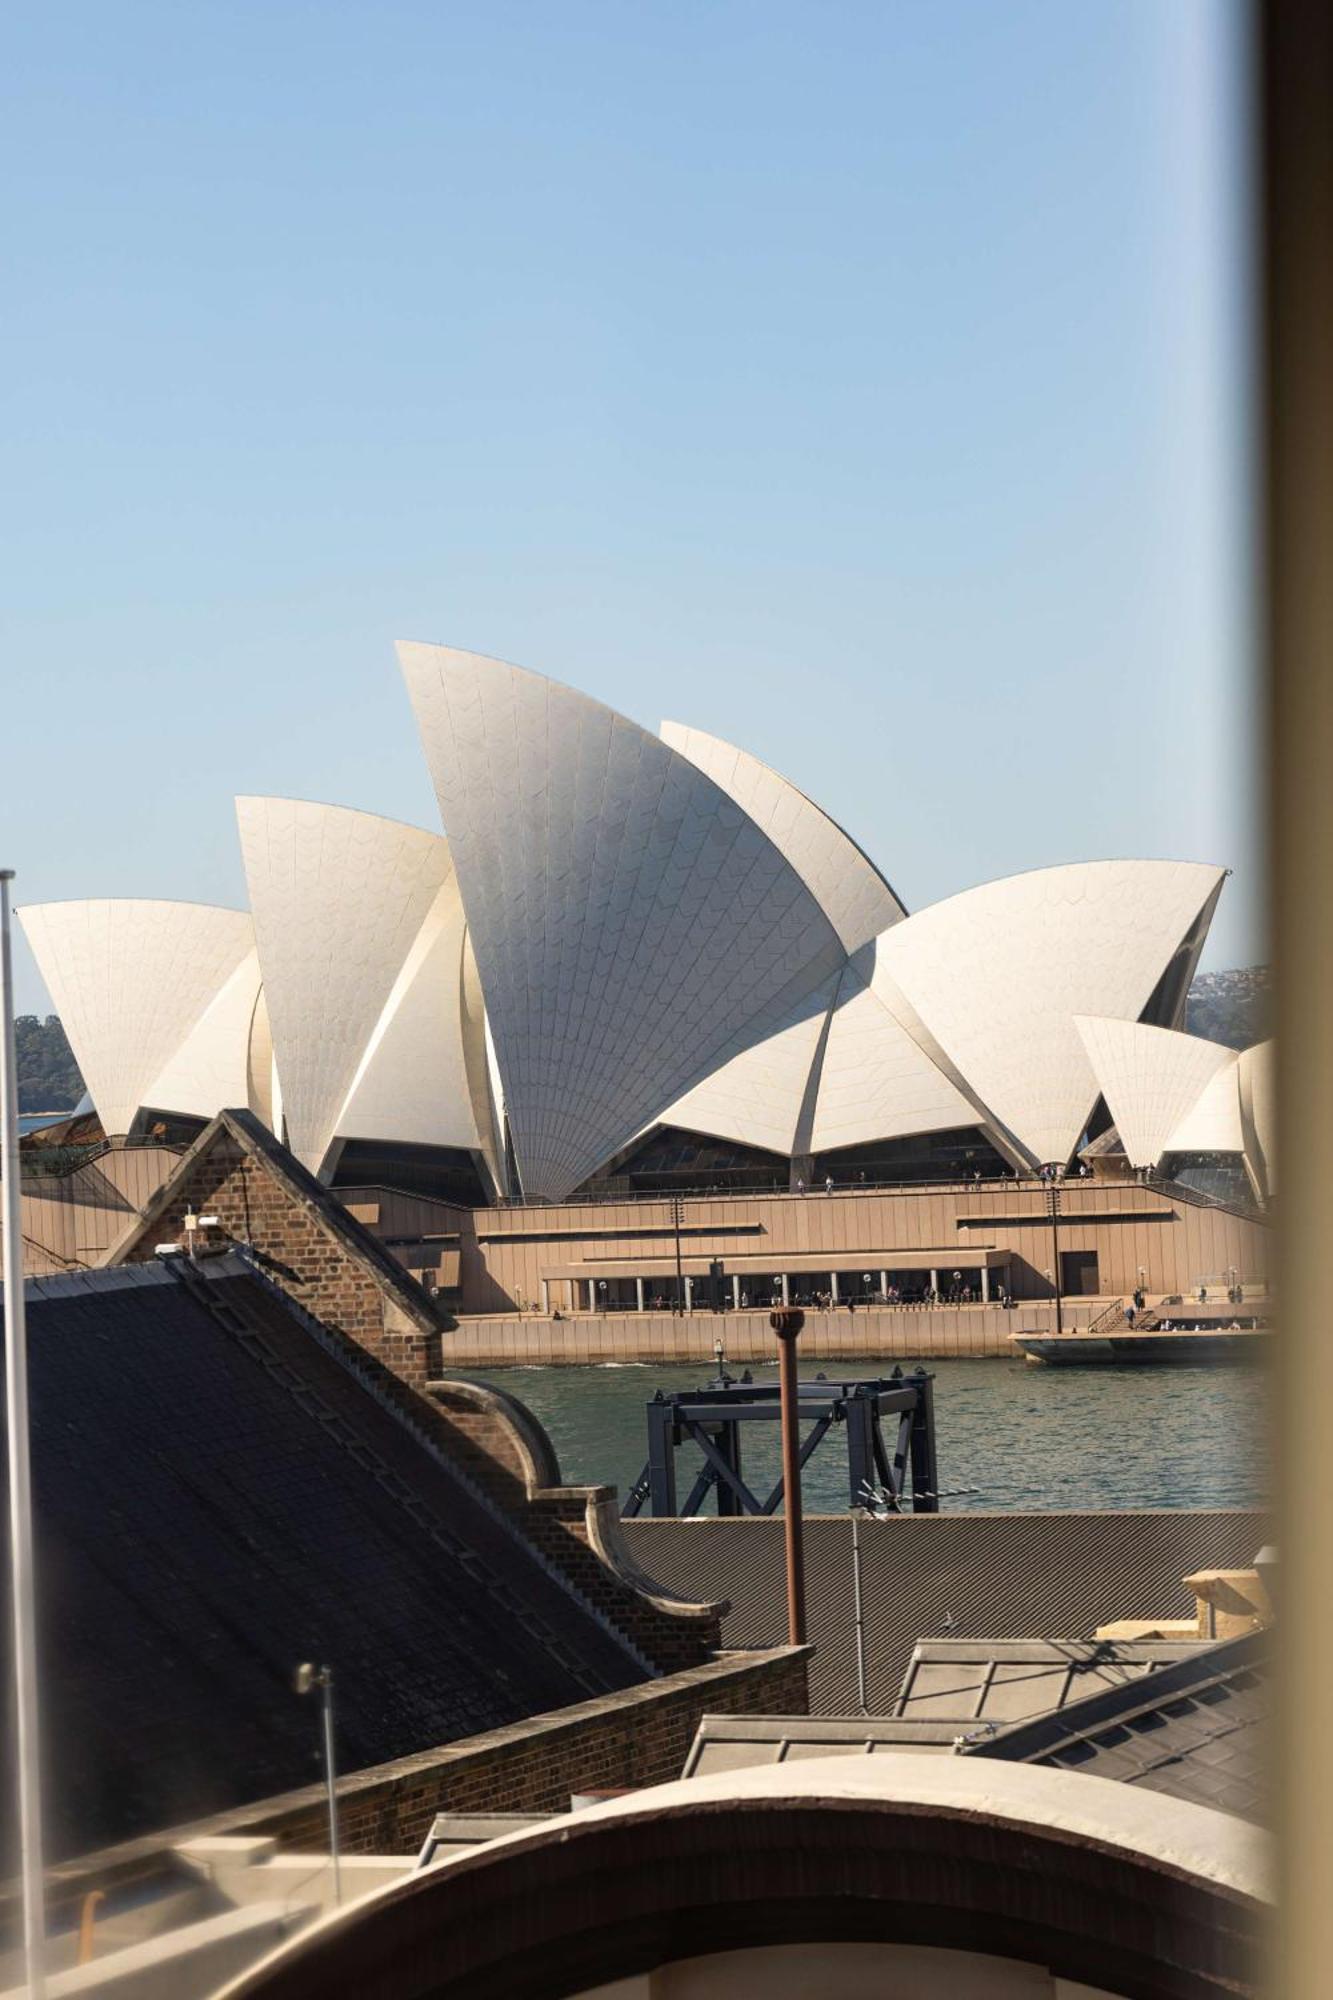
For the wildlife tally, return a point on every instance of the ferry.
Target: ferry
(1168, 1344)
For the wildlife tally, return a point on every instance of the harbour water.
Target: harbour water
(1013, 1437)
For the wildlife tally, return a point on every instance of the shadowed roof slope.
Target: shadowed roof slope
(217, 1497)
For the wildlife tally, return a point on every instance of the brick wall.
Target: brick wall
(558, 1523)
(635, 1738)
(323, 1275)
(300, 1255)
(556, 1520)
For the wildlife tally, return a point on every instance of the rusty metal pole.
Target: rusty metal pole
(787, 1326)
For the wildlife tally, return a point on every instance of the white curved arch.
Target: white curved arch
(999, 973)
(131, 980)
(848, 887)
(628, 919)
(339, 900)
(1151, 1079)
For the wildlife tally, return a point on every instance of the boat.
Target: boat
(1200, 1343)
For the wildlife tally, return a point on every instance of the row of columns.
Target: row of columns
(587, 1287)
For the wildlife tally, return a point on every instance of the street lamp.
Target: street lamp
(308, 1679)
(22, 1581)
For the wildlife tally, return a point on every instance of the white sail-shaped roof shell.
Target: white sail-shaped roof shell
(414, 1083)
(854, 896)
(212, 1069)
(1257, 1089)
(756, 1097)
(876, 1081)
(132, 980)
(340, 899)
(1212, 1124)
(628, 918)
(1152, 1079)
(999, 974)
(845, 1071)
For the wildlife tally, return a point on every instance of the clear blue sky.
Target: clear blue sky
(864, 383)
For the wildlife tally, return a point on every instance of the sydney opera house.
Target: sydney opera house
(633, 962)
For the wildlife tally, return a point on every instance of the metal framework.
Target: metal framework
(712, 1418)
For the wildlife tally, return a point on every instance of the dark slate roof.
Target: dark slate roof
(254, 1138)
(965, 1576)
(218, 1497)
(1197, 1730)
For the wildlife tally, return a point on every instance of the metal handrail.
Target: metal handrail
(1182, 1191)
(816, 1190)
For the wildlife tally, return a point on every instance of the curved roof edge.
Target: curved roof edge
(854, 894)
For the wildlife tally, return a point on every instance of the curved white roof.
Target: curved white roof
(1151, 1078)
(876, 1081)
(1212, 1124)
(848, 887)
(131, 980)
(211, 1070)
(412, 1082)
(628, 918)
(756, 1097)
(339, 900)
(998, 974)
(1254, 1074)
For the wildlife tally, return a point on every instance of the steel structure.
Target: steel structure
(902, 1470)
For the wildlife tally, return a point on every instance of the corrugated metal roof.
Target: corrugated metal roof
(966, 1576)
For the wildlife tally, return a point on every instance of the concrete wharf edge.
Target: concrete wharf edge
(885, 1333)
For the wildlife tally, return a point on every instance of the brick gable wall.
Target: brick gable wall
(321, 1272)
(298, 1253)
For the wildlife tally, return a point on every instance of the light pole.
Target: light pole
(679, 1306)
(1053, 1199)
(787, 1326)
(20, 1481)
(307, 1679)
